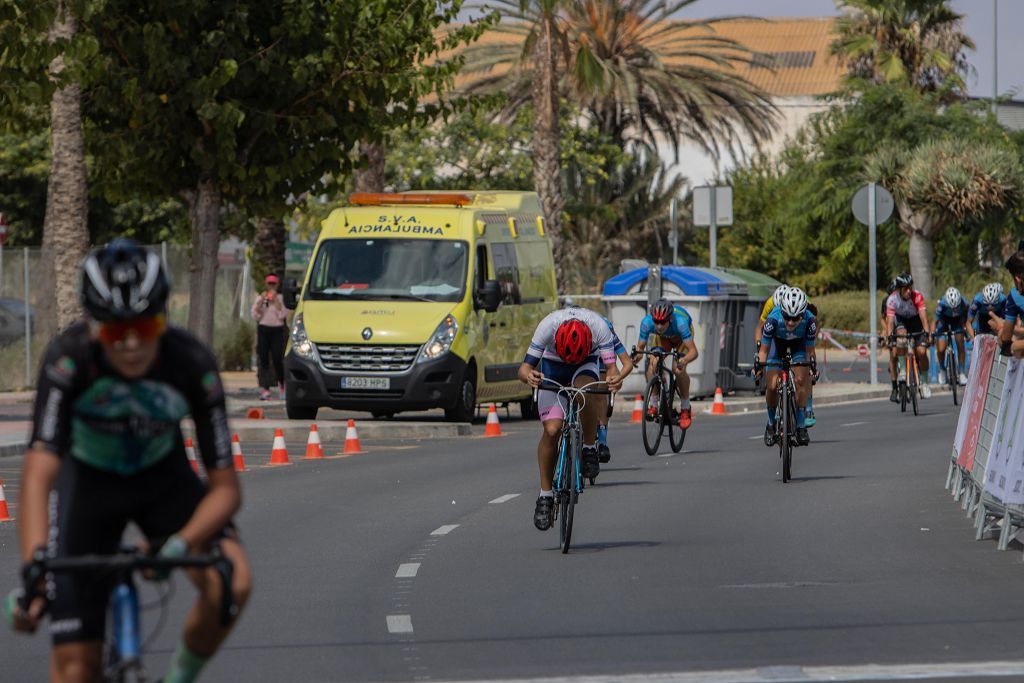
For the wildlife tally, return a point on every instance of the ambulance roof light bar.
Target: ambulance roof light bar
(419, 198)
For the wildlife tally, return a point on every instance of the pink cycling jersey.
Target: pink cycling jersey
(897, 306)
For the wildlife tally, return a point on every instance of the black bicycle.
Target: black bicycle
(662, 403)
(952, 365)
(568, 479)
(785, 412)
(123, 645)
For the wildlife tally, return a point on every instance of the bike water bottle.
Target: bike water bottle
(125, 600)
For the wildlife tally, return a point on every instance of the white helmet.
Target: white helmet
(793, 303)
(992, 292)
(777, 294)
(953, 298)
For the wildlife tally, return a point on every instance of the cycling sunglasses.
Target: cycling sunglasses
(144, 329)
(793, 319)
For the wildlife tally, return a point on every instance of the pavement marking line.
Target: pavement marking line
(504, 499)
(407, 571)
(853, 424)
(399, 623)
(444, 530)
(798, 674)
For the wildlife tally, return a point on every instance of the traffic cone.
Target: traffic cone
(236, 451)
(493, 427)
(352, 440)
(314, 451)
(279, 452)
(255, 414)
(718, 407)
(5, 516)
(638, 410)
(190, 451)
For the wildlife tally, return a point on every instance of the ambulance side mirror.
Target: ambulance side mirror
(290, 292)
(489, 296)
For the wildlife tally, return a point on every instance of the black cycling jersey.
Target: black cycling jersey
(85, 409)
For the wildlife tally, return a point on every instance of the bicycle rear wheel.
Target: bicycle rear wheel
(952, 373)
(787, 433)
(676, 434)
(652, 424)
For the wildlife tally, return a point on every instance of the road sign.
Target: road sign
(884, 204)
(863, 350)
(707, 213)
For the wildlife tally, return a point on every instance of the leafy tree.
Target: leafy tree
(246, 103)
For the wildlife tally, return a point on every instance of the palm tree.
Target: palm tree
(639, 74)
(915, 42)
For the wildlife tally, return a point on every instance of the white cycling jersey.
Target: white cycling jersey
(543, 344)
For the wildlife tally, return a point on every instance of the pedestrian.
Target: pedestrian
(269, 312)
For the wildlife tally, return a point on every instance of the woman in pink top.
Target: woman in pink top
(271, 315)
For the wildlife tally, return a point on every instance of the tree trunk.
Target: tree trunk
(547, 155)
(268, 248)
(205, 216)
(65, 229)
(371, 178)
(921, 255)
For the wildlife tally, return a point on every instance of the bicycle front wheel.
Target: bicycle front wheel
(788, 434)
(652, 424)
(953, 374)
(568, 502)
(904, 397)
(676, 434)
(915, 392)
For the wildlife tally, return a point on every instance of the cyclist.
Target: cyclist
(951, 312)
(790, 327)
(106, 441)
(1009, 343)
(906, 311)
(986, 311)
(673, 329)
(604, 403)
(568, 345)
(770, 304)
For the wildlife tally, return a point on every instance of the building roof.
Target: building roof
(794, 59)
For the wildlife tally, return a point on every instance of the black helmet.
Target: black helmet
(904, 280)
(662, 310)
(122, 281)
(891, 287)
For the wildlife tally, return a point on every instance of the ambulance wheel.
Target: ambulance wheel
(300, 412)
(464, 408)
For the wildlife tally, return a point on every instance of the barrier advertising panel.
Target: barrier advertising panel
(1004, 478)
(968, 427)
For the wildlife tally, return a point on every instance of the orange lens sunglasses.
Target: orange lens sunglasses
(144, 329)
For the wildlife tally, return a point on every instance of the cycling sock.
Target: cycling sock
(894, 384)
(546, 494)
(602, 434)
(685, 404)
(771, 415)
(810, 403)
(590, 446)
(801, 418)
(185, 665)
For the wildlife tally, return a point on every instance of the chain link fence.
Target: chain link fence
(25, 300)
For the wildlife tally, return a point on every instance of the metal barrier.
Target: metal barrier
(984, 432)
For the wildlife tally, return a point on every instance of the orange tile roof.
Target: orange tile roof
(799, 48)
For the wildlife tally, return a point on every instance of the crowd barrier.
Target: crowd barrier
(986, 471)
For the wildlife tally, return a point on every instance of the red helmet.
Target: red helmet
(573, 341)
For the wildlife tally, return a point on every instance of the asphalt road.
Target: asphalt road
(419, 561)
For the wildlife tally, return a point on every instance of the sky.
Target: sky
(978, 20)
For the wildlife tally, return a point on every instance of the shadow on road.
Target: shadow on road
(609, 484)
(823, 478)
(610, 545)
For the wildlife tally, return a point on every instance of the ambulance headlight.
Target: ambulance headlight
(441, 341)
(301, 345)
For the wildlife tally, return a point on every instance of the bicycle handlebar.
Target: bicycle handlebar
(129, 559)
(559, 388)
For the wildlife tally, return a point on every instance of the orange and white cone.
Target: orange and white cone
(718, 407)
(314, 450)
(493, 427)
(638, 410)
(236, 452)
(5, 515)
(190, 451)
(352, 439)
(279, 451)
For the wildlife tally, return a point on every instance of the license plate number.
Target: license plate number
(365, 382)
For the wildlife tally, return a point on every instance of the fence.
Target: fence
(986, 472)
(24, 300)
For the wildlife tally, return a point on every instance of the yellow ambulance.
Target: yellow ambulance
(423, 300)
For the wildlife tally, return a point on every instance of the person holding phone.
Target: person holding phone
(272, 326)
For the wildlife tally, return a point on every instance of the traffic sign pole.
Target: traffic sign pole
(873, 276)
(714, 229)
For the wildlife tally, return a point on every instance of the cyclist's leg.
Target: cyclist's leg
(961, 357)
(589, 417)
(683, 384)
(203, 633)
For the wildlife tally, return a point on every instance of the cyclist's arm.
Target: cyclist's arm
(529, 374)
(767, 332)
(923, 314)
(626, 364)
(39, 474)
(691, 351)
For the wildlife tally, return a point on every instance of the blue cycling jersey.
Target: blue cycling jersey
(980, 310)
(1014, 306)
(678, 331)
(954, 317)
(617, 345)
(774, 329)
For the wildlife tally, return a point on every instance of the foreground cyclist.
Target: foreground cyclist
(106, 441)
(567, 345)
(986, 311)
(1009, 341)
(789, 328)
(906, 313)
(951, 313)
(673, 330)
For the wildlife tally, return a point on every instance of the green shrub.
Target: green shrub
(847, 310)
(235, 342)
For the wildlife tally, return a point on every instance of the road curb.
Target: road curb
(743, 406)
(297, 431)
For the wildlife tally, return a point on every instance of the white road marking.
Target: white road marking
(809, 674)
(444, 530)
(407, 571)
(755, 438)
(853, 424)
(504, 499)
(399, 623)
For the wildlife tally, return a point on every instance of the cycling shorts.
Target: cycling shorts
(93, 507)
(796, 347)
(552, 405)
(668, 343)
(908, 325)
